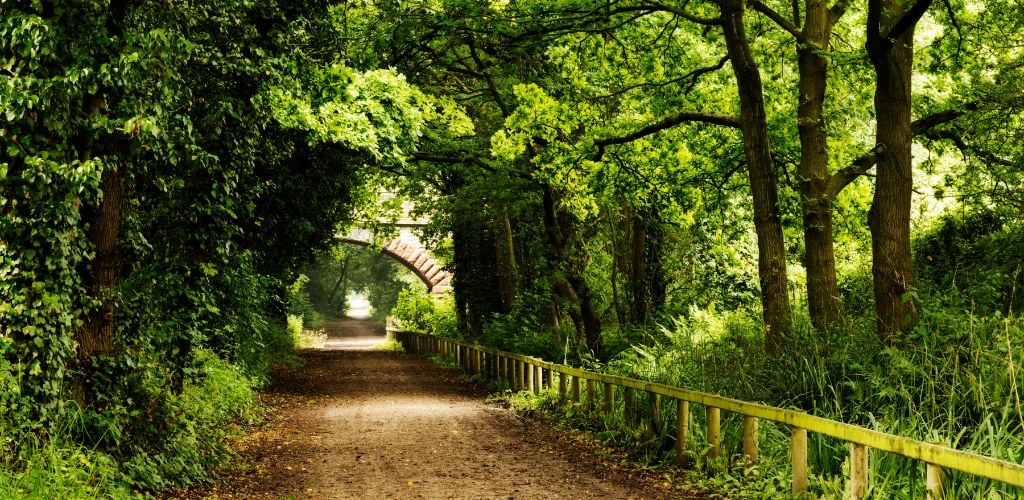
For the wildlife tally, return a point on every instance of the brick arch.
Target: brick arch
(414, 256)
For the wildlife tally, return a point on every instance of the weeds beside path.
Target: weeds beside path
(355, 422)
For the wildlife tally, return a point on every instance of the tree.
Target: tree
(890, 46)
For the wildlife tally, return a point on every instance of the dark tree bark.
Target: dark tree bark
(890, 46)
(778, 322)
(476, 297)
(823, 299)
(647, 278)
(507, 268)
(96, 335)
(569, 283)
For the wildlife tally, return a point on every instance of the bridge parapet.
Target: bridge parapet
(411, 252)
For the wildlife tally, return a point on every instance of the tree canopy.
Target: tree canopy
(598, 173)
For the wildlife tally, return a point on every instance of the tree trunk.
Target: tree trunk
(889, 216)
(341, 284)
(570, 283)
(96, 335)
(771, 257)
(823, 300)
(647, 280)
(507, 269)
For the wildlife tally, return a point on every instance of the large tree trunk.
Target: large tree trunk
(96, 335)
(889, 217)
(823, 300)
(778, 322)
(570, 283)
(507, 270)
(647, 278)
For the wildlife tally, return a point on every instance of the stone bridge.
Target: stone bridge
(410, 251)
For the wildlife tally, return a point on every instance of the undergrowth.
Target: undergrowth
(390, 346)
(956, 381)
(143, 438)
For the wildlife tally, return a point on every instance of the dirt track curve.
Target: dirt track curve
(356, 422)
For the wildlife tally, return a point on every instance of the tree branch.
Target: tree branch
(860, 166)
(666, 123)
(922, 126)
(783, 23)
(837, 10)
(961, 144)
(874, 43)
(661, 7)
(908, 20)
(693, 76)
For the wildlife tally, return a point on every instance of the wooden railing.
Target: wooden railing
(529, 373)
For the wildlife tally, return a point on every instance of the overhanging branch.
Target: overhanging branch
(665, 123)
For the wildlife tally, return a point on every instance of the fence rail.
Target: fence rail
(529, 373)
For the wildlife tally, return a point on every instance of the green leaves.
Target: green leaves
(376, 111)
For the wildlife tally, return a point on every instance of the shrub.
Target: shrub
(424, 312)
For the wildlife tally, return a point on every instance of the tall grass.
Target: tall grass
(955, 380)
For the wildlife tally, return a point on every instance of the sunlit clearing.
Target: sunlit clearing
(358, 306)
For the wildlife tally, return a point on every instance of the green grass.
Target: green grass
(390, 346)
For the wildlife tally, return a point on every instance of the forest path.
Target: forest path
(355, 422)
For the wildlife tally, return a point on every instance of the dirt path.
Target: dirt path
(359, 423)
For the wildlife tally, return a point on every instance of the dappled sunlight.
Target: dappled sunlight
(353, 343)
(406, 407)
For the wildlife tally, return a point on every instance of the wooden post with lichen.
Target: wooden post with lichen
(935, 482)
(858, 471)
(714, 431)
(654, 410)
(529, 376)
(798, 445)
(750, 439)
(591, 388)
(629, 410)
(609, 398)
(520, 375)
(682, 429)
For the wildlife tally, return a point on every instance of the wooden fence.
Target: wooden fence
(532, 374)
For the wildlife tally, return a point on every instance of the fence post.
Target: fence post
(575, 389)
(529, 375)
(591, 388)
(935, 482)
(629, 410)
(750, 439)
(798, 444)
(562, 389)
(539, 385)
(521, 377)
(682, 428)
(609, 398)
(858, 471)
(654, 405)
(714, 417)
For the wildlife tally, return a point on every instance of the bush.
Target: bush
(424, 312)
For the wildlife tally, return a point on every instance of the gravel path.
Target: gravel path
(355, 422)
